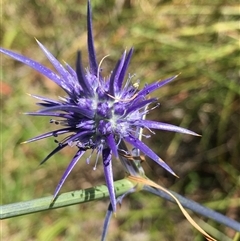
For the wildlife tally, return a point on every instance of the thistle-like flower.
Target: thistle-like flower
(97, 113)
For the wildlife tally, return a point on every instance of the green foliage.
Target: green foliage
(195, 38)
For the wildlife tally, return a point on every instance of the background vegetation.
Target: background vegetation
(200, 40)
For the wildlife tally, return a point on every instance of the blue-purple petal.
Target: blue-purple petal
(50, 101)
(112, 144)
(147, 151)
(164, 126)
(57, 149)
(48, 134)
(91, 50)
(71, 70)
(70, 108)
(80, 135)
(52, 114)
(139, 105)
(33, 64)
(154, 86)
(81, 76)
(115, 75)
(67, 79)
(124, 70)
(67, 172)
(108, 173)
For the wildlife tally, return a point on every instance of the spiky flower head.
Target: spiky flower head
(97, 113)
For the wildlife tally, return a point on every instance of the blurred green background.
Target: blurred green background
(200, 40)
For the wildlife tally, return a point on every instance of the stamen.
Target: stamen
(98, 71)
(143, 135)
(95, 166)
(88, 159)
(99, 150)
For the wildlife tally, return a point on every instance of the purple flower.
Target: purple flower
(97, 113)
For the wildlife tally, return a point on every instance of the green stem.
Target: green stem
(63, 200)
(100, 192)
